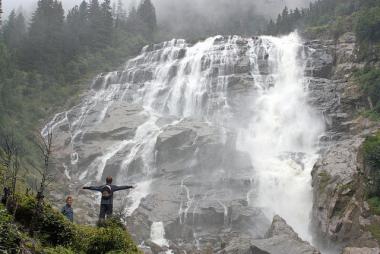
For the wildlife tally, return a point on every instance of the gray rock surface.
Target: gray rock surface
(199, 180)
(280, 239)
(365, 250)
(340, 213)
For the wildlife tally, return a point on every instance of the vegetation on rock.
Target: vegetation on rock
(57, 235)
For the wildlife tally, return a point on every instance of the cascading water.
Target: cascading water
(211, 134)
(282, 136)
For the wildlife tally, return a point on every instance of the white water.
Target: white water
(282, 137)
(280, 133)
(157, 234)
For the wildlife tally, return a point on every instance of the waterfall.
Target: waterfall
(282, 136)
(200, 126)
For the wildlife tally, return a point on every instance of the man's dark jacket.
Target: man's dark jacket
(108, 201)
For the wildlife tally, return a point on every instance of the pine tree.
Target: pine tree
(134, 24)
(120, 16)
(106, 28)
(84, 26)
(45, 49)
(94, 22)
(14, 30)
(72, 32)
(147, 14)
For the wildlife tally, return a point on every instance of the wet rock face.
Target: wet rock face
(365, 250)
(340, 213)
(280, 239)
(336, 194)
(188, 172)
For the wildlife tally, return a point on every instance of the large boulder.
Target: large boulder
(280, 239)
(365, 250)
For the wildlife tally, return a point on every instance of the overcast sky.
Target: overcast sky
(29, 5)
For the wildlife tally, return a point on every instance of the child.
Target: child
(67, 210)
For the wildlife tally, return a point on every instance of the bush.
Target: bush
(57, 250)
(55, 228)
(10, 236)
(369, 79)
(52, 226)
(111, 236)
(372, 151)
(64, 237)
(368, 25)
(374, 204)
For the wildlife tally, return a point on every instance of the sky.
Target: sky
(28, 5)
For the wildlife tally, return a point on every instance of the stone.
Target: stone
(280, 239)
(353, 250)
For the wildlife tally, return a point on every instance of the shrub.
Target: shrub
(372, 151)
(368, 25)
(52, 226)
(55, 228)
(111, 236)
(374, 204)
(65, 237)
(369, 79)
(10, 236)
(375, 230)
(57, 250)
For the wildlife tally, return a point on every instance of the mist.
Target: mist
(201, 18)
(264, 7)
(194, 18)
(28, 6)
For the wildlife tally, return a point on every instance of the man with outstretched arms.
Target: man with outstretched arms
(107, 190)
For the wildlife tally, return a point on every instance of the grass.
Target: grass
(374, 204)
(372, 115)
(375, 231)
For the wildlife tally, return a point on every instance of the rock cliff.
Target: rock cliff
(340, 213)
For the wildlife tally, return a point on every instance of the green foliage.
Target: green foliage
(374, 204)
(339, 16)
(375, 230)
(369, 79)
(46, 67)
(103, 239)
(57, 250)
(10, 237)
(59, 236)
(368, 24)
(372, 151)
(53, 228)
(371, 114)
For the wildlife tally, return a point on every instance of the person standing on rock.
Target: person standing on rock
(107, 190)
(67, 210)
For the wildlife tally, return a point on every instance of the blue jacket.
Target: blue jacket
(68, 212)
(114, 188)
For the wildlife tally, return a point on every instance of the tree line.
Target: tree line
(339, 16)
(52, 39)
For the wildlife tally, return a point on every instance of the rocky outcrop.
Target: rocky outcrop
(365, 250)
(280, 239)
(340, 212)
